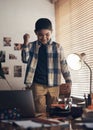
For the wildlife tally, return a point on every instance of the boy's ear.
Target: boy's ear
(35, 32)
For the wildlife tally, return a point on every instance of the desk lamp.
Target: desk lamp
(75, 62)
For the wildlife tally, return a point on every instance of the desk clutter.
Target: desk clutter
(57, 110)
(65, 108)
(10, 114)
(88, 114)
(86, 120)
(41, 123)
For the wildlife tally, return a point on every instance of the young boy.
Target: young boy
(45, 65)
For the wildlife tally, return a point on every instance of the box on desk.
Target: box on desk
(88, 113)
(59, 110)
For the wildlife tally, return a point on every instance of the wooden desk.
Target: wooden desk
(72, 126)
(7, 126)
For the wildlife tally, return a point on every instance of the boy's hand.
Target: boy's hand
(26, 38)
(65, 89)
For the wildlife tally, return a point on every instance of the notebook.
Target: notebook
(16, 104)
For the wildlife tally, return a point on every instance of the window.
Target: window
(74, 30)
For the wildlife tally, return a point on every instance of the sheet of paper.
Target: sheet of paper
(27, 124)
(65, 123)
(89, 125)
(32, 124)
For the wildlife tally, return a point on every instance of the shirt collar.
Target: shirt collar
(48, 43)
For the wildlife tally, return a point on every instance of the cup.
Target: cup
(67, 102)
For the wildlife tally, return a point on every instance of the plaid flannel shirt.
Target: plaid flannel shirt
(57, 64)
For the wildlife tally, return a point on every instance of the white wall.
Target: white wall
(16, 18)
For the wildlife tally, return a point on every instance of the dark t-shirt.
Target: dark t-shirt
(41, 74)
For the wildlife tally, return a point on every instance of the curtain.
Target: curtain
(74, 30)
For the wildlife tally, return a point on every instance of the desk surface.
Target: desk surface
(6, 126)
(72, 126)
(3, 126)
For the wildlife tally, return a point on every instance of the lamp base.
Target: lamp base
(89, 100)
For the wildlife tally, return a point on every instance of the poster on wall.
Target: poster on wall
(7, 41)
(17, 71)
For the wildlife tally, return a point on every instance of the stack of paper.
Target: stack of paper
(36, 123)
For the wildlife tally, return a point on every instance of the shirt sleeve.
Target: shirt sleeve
(64, 67)
(25, 53)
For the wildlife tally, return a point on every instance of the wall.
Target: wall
(16, 18)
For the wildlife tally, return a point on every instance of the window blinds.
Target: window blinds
(74, 30)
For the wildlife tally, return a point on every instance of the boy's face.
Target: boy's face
(44, 35)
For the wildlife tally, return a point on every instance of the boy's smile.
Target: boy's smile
(44, 35)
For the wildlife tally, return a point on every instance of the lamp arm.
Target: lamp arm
(90, 76)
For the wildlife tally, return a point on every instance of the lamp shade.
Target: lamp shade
(74, 61)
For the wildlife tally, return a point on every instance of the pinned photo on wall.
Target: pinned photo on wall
(5, 70)
(17, 71)
(17, 46)
(12, 57)
(7, 41)
(2, 56)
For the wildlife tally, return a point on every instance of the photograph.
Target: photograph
(17, 71)
(17, 46)
(7, 41)
(5, 70)
(12, 56)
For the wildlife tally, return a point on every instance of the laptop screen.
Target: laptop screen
(16, 104)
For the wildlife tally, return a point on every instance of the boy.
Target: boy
(45, 64)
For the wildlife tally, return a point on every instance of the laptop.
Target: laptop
(16, 104)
